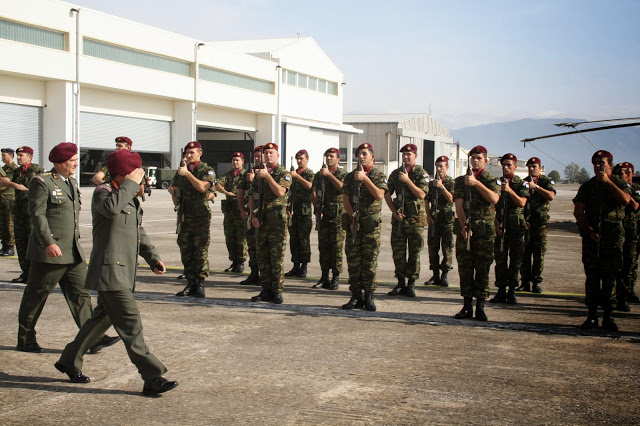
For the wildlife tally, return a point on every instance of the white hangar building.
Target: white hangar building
(76, 74)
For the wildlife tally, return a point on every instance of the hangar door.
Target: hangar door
(218, 144)
(21, 125)
(98, 131)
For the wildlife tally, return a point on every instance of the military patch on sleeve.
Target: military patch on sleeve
(553, 183)
(385, 181)
(525, 184)
(498, 182)
(39, 178)
(287, 177)
(210, 172)
(104, 187)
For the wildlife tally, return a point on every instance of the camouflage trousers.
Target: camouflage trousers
(601, 272)
(331, 244)
(535, 246)
(271, 245)
(509, 260)
(624, 283)
(6, 222)
(299, 238)
(473, 265)
(440, 235)
(362, 259)
(21, 233)
(235, 237)
(409, 237)
(193, 241)
(250, 234)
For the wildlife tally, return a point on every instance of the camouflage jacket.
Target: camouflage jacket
(231, 182)
(21, 205)
(194, 203)
(259, 188)
(367, 204)
(332, 203)
(538, 207)
(412, 207)
(8, 193)
(506, 210)
(445, 209)
(630, 216)
(301, 197)
(481, 210)
(597, 199)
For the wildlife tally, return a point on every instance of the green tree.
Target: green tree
(554, 175)
(571, 172)
(582, 176)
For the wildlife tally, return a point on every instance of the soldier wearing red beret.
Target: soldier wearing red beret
(102, 175)
(7, 196)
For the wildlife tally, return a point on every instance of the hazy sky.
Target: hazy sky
(471, 62)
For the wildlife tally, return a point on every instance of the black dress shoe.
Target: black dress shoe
(157, 386)
(103, 343)
(31, 347)
(75, 376)
(21, 279)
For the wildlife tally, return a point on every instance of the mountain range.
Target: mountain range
(555, 153)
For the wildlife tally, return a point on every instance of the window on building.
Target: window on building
(332, 88)
(236, 80)
(322, 86)
(302, 81)
(312, 84)
(29, 34)
(291, 78)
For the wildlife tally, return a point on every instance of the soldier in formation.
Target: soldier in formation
(7, 198)
(362, 192)
(102, 175)
(190, 189)
(510, 229)
(269, 216)
(541, 192)
(243, 204)
(300, 215)
(599, 211)
(326, 192)
(409, 217)
(475, 196)
(440, 217)
(235, 228)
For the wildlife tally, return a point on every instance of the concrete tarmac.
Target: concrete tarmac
(310, 362)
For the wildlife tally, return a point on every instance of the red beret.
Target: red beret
(442, 159)
(364, 146)
(302, 152)
(258, 148)
(625, 165)
(25, 149)
(601, 154)
(332, 150)
(63, 152)
(192, 145)
(270, 145)
(534, 160)
(124, 139)
(509, 157)
(409, 148)
(478, 150)
(123, 162)
(236, 154)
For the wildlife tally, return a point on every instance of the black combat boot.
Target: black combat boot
(239, 267)
(621, 305)
(368, 301)
(536, 288)
(411, 284)
(500, 297)
(524, 286)
(3, 250)
(435, 279)
(302, 272)
(9, 252)
(265, 295)
(592, 319)
(294, 271)
(511, 295)
(356, 300)
(401, 288)
(187, 289)
(323, 281)
(198, 288)
(253, 278)
(608, 323)
(277, 298)
(333, 285)
(467, 309)
(480, 315)
(632, 297)
(232, 267)
(444, 281)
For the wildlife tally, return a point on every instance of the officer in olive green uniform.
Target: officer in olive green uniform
(20, 211)
(243, 204)
(541, 193)
(409, 217)
(362, 194)
(192, 182)
(7, 197)
(624, 171)
(599, 211)
(235, 228)
(475, 196)
(300, 215)
(440, 217)
(510, 229)
(267, 203)
(326, 192)
(117, 224)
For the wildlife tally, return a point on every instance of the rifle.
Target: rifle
(467, 206)
(290, 200)
(527, 209)
(434, 201)
(400, 199)
(356, 206)
(178, 195)
(246, 177)
(320, 194)
(260, 184)
(503, 216)
(599, 230)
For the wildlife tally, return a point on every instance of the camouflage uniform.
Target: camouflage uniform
(602, 268)
(624, 285)
(195, 219)
(473, 266)
(440, 234)
(234, 226)
(535, 242)
(20, 212)
(271, 240)
(7, 198)
(509, 260)
(301, 221)
(250, 232)
(362, 257)
(330, 232)
(408, 232)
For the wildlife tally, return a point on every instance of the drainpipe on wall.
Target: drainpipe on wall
(196, 77)
(278, 123)
(76, 91)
